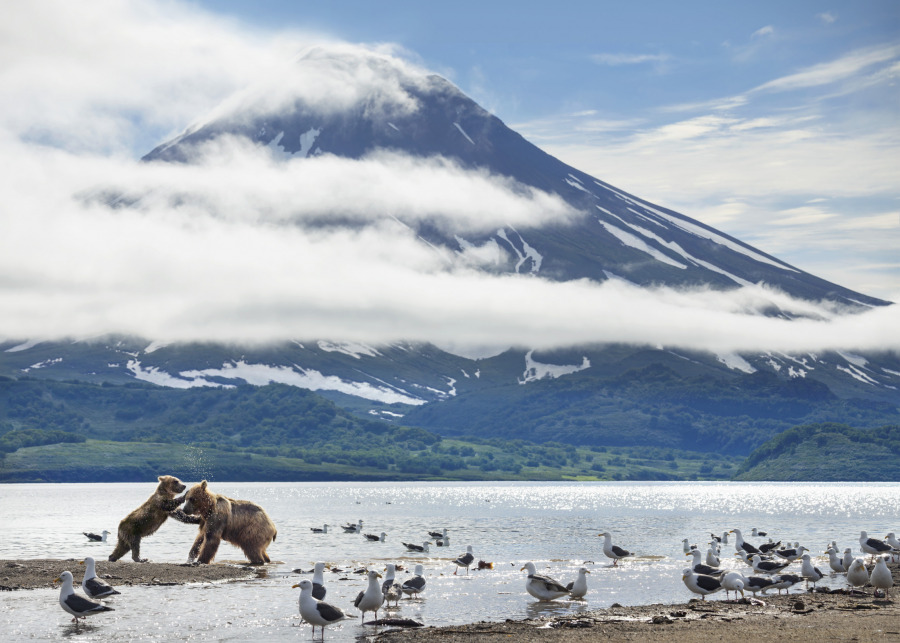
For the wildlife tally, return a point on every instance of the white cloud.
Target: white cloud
(833, 71)
(615, 60)
(764, 32)
(827, 17)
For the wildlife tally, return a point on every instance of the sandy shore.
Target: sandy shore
(805, 617)
(35, 573)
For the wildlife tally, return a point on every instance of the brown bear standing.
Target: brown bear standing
(149, 517)
(239, 522)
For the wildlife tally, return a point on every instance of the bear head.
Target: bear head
(170, 486)
(199, 500)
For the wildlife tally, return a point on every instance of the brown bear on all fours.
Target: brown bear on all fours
(149, 517)
(239, 522)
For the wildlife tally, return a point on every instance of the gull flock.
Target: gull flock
(767, 566)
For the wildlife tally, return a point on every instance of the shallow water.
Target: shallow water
(555, 525)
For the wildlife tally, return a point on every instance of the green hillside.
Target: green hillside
(827, 452)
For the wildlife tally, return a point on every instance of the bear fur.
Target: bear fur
(149, 517)
(242, 523)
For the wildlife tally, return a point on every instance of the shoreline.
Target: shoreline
(39, 573)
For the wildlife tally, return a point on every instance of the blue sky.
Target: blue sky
(778, 122)
(774, 122)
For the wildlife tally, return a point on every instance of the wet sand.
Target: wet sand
(35, 573)
(804, 617)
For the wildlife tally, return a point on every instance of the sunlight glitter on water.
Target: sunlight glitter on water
(555, 525)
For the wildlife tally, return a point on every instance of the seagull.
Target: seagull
(464, 560)
(881, 576)
(836, 564)
(733, 582)
(785, 582)
(699, 568)
(443, 542)
(542, 588)
(758, 584)
(374, 538)
(319, 530)
(756, 533)
(390, 588)
(847, 560)
(686, 547)
(77, 606)
(769, 546)
(712, 559)
(415, 584)
(700, 583)
(891, 540)
(810, 572)
(578, 588)
(857, 574)
(353, 529)
(716, 538)
(317, 612)
(94, 587)
(318, 582)
(371, 598)
(100, 538)
(766, 566)
(419, 549)
(791, 555)
(613, 551)
(438, 534)
(872, 546)
(740, 545)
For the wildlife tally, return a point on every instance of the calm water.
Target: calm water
(554, 525)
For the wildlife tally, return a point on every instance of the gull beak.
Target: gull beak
(295, 586)
(81, 562)
(378, 575)
(587, 571)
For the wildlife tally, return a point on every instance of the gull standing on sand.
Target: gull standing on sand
(733, 582)
(857, 574)
(701, 583)
(77, 606)
(578, 588)
(613, 551)
(785, 582)
(415, 584)
(881, 576)
(94, 587)
(370, 599)
(542, 588)
(317, 612)
(872, 546)
(810, 572)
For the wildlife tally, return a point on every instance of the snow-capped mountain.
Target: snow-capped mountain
(614, 236)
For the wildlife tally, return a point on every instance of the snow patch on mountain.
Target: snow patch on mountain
(24, 346)
(735, 362)
(353, 349)
(577, 184)
(527, 252)
(262, 374)
(44, 364)
(535, 370)
(463, 132)
(632, 241)
(161, 378)
(857, 374)
(155, 346)
(307, 140)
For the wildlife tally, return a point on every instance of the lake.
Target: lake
(554, 525)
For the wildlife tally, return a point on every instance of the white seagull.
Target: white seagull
(353, 529)
(542, 588)
(872, 546)
(810, 572)
(686, 547)
(318, 582)
(374, 538)
(94, 587)
(881, 576)
(389, 587)
(77, 606)
(857, 574)
(418, 549)
(712, 558)
(317, 612)
(740, 545)
(613, 551)
(100, 538)
(847, 560)
(319, 530)
(464, 560)
(370, 599)
(578, 588)
(836, 564)
(766, 566)
(415, 584)
(701, 583)
(733, 582)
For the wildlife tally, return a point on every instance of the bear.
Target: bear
(149, 517)
(242, 523)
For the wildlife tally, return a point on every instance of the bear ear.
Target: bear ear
(160, 478)
(203, 485)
